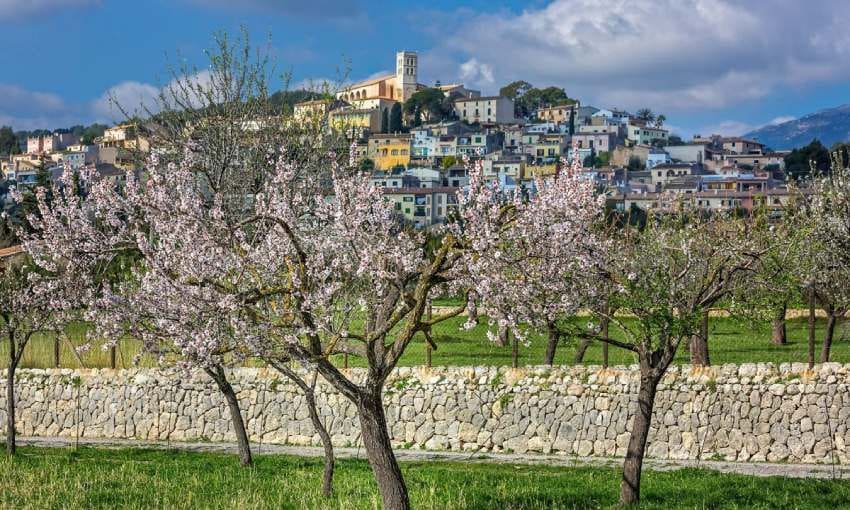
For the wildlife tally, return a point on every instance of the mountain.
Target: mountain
(829, 126)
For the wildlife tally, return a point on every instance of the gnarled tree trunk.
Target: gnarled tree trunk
(633, 465)
(699, 344)
(11, 433)
(244, 447)
(811, 329)
(328, 473)
(780, 333)
(831, 322)
(309, 390)
(552, 343)
(376, 441)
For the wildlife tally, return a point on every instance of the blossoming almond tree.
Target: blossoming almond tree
(31, 303)
(528, 256)
(667, 276)
(825, 261)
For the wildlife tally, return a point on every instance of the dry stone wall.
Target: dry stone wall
(751, 412)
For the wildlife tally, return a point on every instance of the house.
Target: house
(545, 148)
(737, 145)
(456, 176)
(662, 174)
(389, 150)
(477, 144)
(656, 157)
(689, 153)
(423, 207)
(355, 122)
(644, 135)
(51, 143)
(611, 116)
(396, 87)
(455, 90)
(584, 114)
(511, 166)
(557, 114)
(600, 142)
(621, 156)
(485, 110)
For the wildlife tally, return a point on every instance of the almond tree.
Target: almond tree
(30, 304)
(827, 255)
(529, 255)
(667, 276)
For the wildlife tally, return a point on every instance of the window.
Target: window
(394, 152)
(398, 206)
(408, 199)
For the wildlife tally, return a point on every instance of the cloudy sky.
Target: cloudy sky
(709, 65)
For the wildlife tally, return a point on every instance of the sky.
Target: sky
(720, 66)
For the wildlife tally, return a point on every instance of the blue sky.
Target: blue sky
(709, 65)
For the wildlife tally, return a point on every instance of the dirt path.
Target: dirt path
(744, 468)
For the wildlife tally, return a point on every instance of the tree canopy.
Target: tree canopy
(799, 163)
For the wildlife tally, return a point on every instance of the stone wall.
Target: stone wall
(747, 413)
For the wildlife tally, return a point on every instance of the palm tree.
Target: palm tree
(660, 119)
(646, 115)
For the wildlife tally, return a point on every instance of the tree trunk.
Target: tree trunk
(780, 334)
(630, 484)
(699, 344)
(604, 333)
(514, 351)
(56, 352)
(581, 350)
(218, 375)
(502, 337)
(112, 357)
(376, 441)
(328, 476)
(11, 433)
(827, 339)
(811, 329)
(552, 344)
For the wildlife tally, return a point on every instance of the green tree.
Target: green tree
(645, 114)
(798, 164)
(660, 119)
(396, 124)
(367, 165)
(448, 162)
(8, 141)
(385, 121)
(515, 89)
(635, 164)
(90, 133)
(430, 104)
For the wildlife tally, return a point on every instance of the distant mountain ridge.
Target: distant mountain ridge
(829, 126)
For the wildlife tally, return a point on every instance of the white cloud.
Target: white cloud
(476, 73)
(130, 96)
(26, 8)
(669, 55)
(27, 109)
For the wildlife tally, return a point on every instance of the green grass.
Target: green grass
(140, 478)
(730, 341)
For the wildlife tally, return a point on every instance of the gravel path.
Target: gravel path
(755, 469)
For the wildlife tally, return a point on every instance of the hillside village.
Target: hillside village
(415, 141)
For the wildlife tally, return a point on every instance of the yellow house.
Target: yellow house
(356, 121)
(388, 151)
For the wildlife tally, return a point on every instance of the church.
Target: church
(398, 87)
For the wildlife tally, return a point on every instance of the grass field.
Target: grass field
(134, 478)
(730, 341)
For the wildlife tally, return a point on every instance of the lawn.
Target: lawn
(140, 478)
(730, 341)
